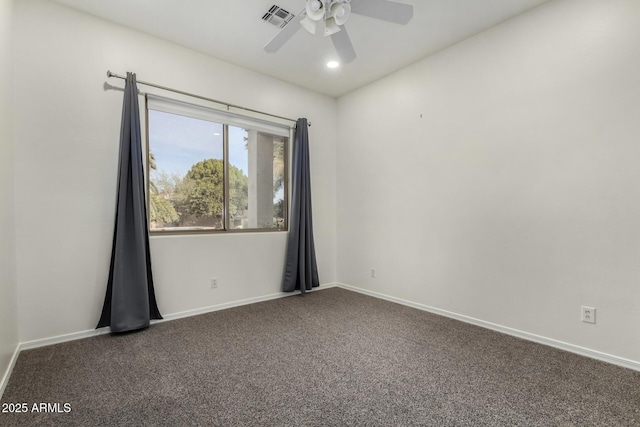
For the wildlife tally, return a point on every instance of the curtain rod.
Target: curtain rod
(117, 76)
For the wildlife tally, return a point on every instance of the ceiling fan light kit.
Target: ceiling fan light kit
(341, 12)
(309, 24)
(315, 9)
(330, 27)
(334, 14)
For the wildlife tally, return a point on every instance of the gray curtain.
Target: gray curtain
(130, 301)
(301, 270)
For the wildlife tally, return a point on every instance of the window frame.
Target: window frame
(225, 154)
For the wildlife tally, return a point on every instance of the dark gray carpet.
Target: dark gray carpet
(329, 358)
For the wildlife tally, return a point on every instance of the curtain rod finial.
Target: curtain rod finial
(108, 73)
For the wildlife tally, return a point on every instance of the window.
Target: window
(210, 170)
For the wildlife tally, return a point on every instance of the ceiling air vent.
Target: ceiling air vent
(277, 16)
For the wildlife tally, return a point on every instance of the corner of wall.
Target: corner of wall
(8, 288)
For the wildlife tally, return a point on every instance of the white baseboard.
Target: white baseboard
(7, 374)
(238, 303)
(28, 345)
(583, 351)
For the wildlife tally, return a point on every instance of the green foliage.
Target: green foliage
(278, 210)
(162, 210)
(238, 192)
(162, 189)
(203, 190)
(165, 183)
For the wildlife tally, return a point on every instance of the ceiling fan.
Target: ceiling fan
(334, 14)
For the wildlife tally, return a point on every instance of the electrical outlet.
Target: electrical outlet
(373, 273)
(214, 283)
(588, 314)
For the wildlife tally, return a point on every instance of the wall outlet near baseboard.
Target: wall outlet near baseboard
(373, 273)
(588, 314)
(214, 283)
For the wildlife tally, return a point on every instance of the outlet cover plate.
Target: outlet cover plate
(588, 314)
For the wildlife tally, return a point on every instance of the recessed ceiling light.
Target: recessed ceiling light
(216, 134)
(333, 64)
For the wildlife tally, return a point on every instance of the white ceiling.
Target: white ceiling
(233, 30)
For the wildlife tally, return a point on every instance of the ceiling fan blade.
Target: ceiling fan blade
(343, 45)
(286, 33)
(399, 13)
